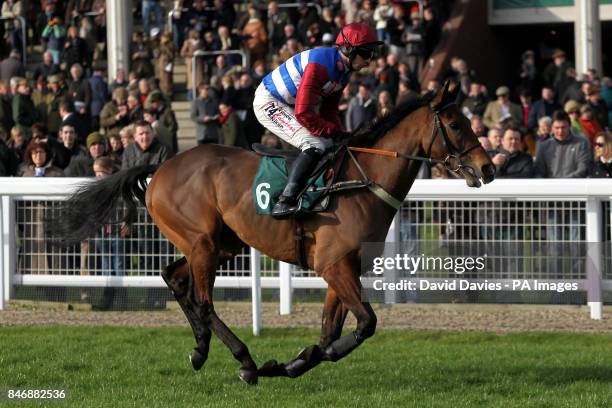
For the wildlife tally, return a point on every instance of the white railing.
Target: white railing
(586, 196)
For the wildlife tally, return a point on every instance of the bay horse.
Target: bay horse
(201, 201)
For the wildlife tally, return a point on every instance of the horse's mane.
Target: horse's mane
(369, 134)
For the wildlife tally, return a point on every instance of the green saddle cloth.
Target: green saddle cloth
(270, 181)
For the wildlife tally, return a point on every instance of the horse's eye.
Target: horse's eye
(454, 125)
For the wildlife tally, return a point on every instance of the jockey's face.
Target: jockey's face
(359, 62)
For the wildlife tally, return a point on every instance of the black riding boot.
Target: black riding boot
(300, 170)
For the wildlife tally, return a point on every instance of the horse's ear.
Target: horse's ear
(453, 91)
(440, 96)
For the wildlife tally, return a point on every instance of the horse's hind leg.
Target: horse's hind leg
(343, 280)
(177, 277)
(203, 261)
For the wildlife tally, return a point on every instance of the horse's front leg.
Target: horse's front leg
(343, 280)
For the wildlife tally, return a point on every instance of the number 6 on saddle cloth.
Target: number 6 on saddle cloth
(271, 178)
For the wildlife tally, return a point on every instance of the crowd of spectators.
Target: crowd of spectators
(553, 123)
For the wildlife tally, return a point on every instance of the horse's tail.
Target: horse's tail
(96, 204)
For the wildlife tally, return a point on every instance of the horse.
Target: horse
(201, 201)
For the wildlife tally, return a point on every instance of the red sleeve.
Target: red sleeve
(329, 109)
(308, 97)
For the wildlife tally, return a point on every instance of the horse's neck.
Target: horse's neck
(396, 175)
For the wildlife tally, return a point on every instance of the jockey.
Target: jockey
(298, 102)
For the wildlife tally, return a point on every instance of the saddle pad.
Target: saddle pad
(270, 181)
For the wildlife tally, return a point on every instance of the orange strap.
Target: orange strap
(374, 151)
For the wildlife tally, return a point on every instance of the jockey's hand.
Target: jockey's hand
(342, 138)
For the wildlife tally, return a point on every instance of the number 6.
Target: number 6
(263, 197)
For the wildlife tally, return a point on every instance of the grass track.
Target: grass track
(134, 367)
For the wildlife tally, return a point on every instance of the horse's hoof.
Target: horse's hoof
(248, 376)
(270, 368)
(197, 359)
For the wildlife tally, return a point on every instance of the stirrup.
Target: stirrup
(283, 210)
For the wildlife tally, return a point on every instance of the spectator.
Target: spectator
(135, 108)
(165, 114)
(165, 64)
(382, 14)
(120, 80)
(189, 48)
(78, 86)
(572, 108)
(127, 136)
(145, 149)
(554, 72)
(544, 128)
(57, 93)
(385, 104)
(276, 22)
(114, 114)
(478, 126)
(602, 165)
(18, 142)
(510, 161)
(569, 87)
(564, 155)
(70, 116)
(142, 55)
(598, 106)
(54, 36)
(11, 9)
(476, 101)
(38, 161)
(115, 151)
(60, 156)
(8, 159)
(151, 7)
(502, 111)
(99, 95)
(361, 110)
(12, 66)
(529, 71)
(205, 113)
(590, 126)
(544, 107)
(68, 137)
(495, 137)
(75, 49)
(405, 92)
(231, 127)
(432, 29)
(527, 106)
(24, 111)
(395, 28)
(47, 67)
(6, 109)
(229, 42)
(82, 165)
(144, 90)
(161, 132)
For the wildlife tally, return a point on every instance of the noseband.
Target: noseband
(453, 152)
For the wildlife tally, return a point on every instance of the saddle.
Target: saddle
(322, 181)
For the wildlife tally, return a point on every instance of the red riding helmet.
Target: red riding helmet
(356, 36)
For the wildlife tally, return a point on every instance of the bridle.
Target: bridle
(437, 129)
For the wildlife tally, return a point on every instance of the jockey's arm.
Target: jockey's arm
(309, 96)
(330, 109)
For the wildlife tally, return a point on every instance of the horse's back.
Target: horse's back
(188, 192)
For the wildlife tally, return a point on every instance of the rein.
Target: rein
(437, 128)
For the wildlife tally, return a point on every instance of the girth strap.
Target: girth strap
(300, 247)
